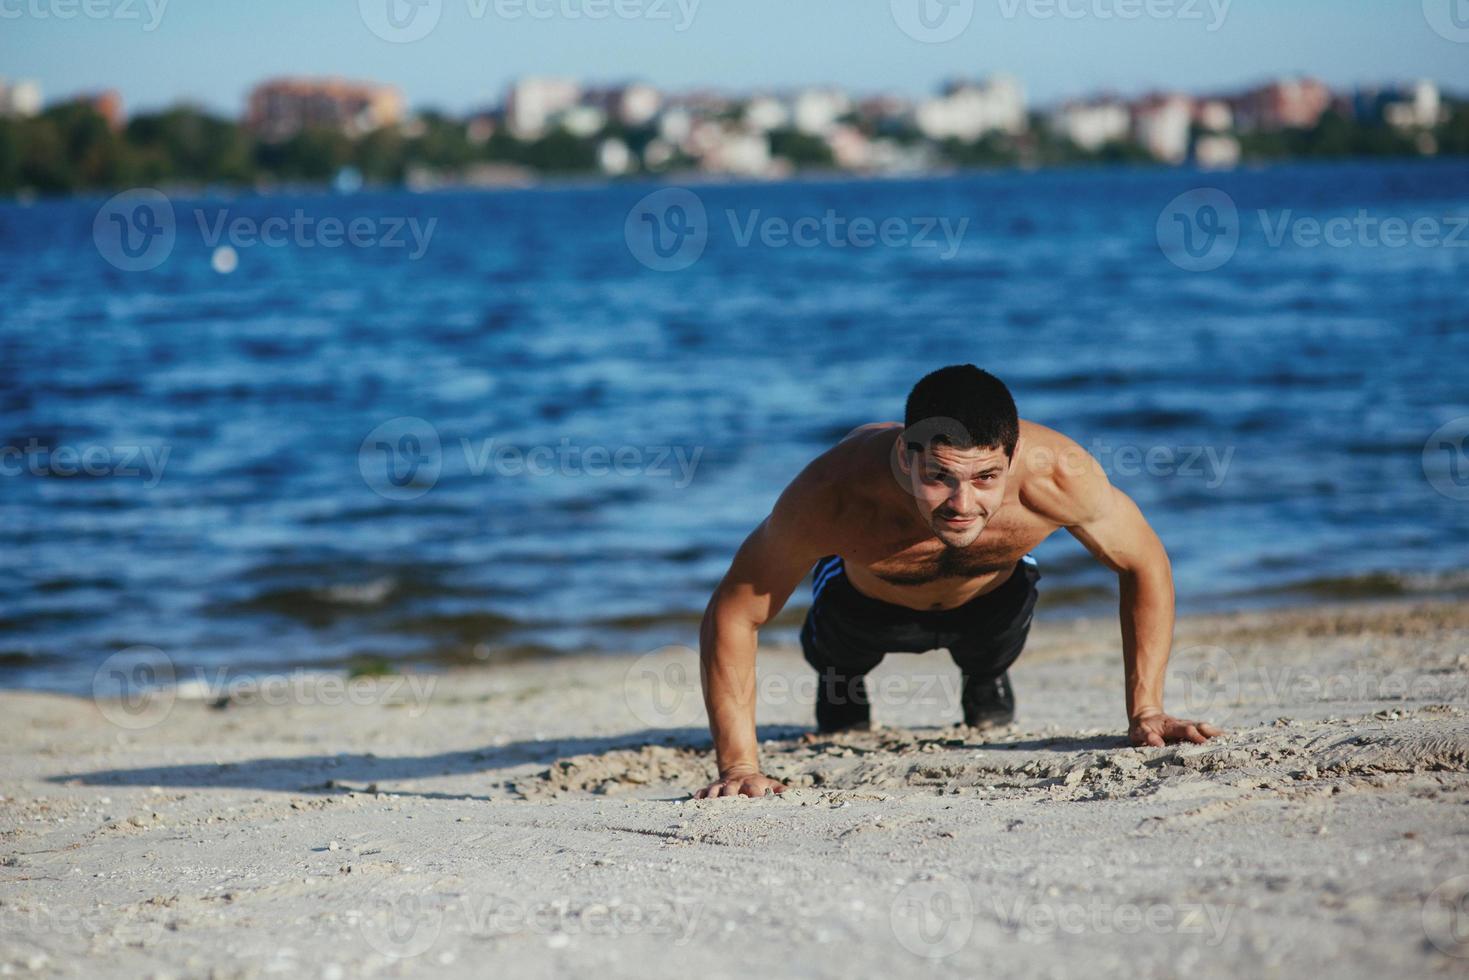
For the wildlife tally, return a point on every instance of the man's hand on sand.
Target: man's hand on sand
(1158, 730)
(740, 784)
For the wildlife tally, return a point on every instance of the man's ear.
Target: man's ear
(904, 457)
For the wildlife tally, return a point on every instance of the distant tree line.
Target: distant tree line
(70, 147)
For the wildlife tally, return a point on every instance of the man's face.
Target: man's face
(957, 490)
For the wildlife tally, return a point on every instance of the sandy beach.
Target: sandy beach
(532, 819)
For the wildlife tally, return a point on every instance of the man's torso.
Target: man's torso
(892, 556)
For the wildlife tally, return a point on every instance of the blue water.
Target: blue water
(1314, 375)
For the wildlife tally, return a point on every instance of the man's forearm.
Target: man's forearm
(1146, 611)
(727, 667)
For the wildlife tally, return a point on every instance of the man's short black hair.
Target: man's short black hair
(976, 400)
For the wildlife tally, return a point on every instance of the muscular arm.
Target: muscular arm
(1110, 525)
(766, 569)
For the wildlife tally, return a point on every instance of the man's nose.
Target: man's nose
(960, 498)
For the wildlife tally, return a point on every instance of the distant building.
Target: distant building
(1417, 107)
(850, 148)
(533, 103)
(483, 125)
(1214, 115)
(614, 158)
(582, 121)
(1286, 104)
(1092, 126)
(968, 110)
(816, 110)
(635, 104)
(1163, 124)
(1216, 151)
(764, 113)
(22, 98)
(281, 108)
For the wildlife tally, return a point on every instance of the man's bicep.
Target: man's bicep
(1117, 534)
(770, 564)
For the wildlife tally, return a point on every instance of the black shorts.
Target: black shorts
(846, 633)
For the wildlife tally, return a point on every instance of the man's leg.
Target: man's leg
(989, 642)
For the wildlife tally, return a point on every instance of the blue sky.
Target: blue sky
(212, 51)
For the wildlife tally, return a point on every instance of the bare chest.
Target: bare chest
(1003, 543)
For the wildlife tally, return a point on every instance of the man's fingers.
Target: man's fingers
(1191, 732)
(1155, 740)
(1210, 731)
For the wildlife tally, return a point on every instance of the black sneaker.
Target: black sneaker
(842, 705)
(988, 704)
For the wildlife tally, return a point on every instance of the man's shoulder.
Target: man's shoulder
(838, 481)
(1058, 479)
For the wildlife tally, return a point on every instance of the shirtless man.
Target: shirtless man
(918, 536)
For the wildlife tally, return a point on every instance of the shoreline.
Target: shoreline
(1373, 591)
(591, 182)
(538, 814)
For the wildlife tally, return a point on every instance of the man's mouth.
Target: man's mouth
(955, 521)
